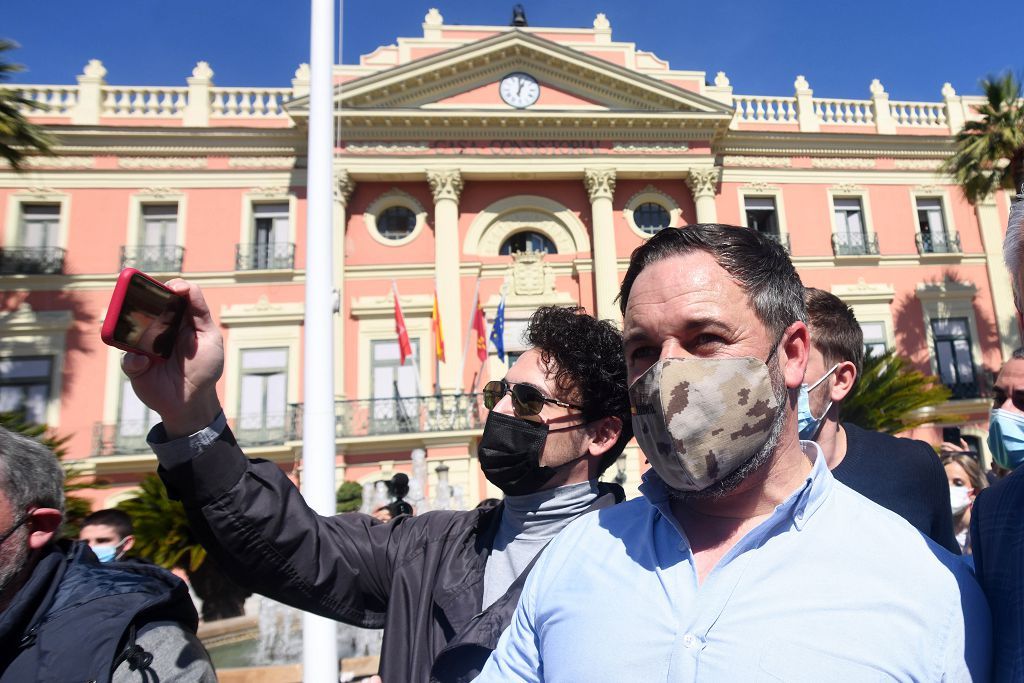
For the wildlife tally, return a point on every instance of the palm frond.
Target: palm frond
(889, 393)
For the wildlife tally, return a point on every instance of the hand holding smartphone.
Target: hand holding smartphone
(144, 316)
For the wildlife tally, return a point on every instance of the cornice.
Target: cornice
(77, 140)
(768, 144)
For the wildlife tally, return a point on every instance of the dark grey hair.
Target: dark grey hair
(1013, 244)
(30, 474)
(759, 264)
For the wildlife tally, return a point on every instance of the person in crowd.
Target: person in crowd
(109, 534)
(66, 617)
(744, 559)
(997, 517)
(383, 513)
(443, 584)
(488, 503)
(966, 480)
(903, 475)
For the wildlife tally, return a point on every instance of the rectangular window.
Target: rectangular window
(25, 386)
(134, 421)
(395, 401)
(158, 249)
(40, 225)
(263, 404)
(875, 343)
(762, 215)
(270, 236)
(953, 356)
(850, 237)
(931, 226)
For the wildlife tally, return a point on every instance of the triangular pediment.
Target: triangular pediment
(466, 79)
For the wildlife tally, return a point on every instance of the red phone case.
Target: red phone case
(114, 310)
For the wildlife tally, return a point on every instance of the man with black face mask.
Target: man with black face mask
(443, 584)
(744, 559)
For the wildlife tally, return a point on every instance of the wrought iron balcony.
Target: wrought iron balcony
(948, 244)
(153, 259)
(31, 260)
(275, 256)
(844, 244)
(124, 438)
(962, 390)
(412, 415)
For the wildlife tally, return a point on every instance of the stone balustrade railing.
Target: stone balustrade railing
(765, 109)
(832, 111)
(55, 100)
(919, 114)
(143, 101)
(249, 102)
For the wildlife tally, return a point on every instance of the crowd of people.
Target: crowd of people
(771, 539)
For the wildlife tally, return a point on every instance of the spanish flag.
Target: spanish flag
(435, 321)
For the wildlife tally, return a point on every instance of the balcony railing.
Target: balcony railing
(412, 415)
(31, 260)
(124, 438)
(153, 259)
(276, 256)
(844, 244)
(947, 244)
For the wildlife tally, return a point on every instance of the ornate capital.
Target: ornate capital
(702, 182)
(445, 184)
(343, 186)
(600, 183)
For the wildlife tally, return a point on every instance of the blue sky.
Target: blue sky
(912, 46)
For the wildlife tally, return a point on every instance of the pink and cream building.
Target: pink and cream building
(528, 162)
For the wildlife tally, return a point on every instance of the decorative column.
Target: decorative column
(805, 115)
(343, 188)
(89, 103)
(446, 187)
(884, 123)
(702, 183)
(600, 184)
(999, 284)
(197, 109)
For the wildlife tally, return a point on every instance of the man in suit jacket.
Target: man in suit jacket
(997, 520)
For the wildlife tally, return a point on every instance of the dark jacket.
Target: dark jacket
(997, 541)
(902, 475)
(76, 619)
(421, 577)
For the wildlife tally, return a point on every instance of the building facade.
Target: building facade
(481, 162)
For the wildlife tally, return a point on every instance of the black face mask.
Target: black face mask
(509, 453)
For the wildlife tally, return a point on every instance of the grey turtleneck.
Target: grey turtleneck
(527, 524)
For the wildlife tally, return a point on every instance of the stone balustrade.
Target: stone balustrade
(769, 109)
(844, 112)
(132, 101)
(55, 100)
(919, 114)
(249, 102)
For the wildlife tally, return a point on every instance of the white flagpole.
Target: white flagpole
(319, 635)
(469, 331)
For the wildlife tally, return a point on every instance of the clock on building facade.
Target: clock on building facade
(519, 89)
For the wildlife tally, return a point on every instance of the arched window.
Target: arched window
(527, 241)
(396, 222)
(651, 217)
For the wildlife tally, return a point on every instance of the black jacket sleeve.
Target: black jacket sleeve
(942, 514)
(256, 525)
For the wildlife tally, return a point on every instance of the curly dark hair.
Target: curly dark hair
(585, 355)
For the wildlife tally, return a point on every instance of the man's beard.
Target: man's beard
(13, 560)
(758, 460)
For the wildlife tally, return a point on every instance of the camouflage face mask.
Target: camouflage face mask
(698, 420)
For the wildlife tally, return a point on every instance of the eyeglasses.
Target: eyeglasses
(526, 400)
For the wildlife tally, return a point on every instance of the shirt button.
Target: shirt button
(689, 640)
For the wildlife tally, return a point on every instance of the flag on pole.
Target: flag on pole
(498, 330)
(480, 327)
(435, 322)
(404, 345)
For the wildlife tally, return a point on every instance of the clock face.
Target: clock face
(519, 89)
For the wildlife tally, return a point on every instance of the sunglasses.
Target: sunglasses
(526, 400)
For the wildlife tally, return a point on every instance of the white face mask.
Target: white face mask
(959, 498)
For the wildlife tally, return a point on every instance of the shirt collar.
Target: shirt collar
(798, 507)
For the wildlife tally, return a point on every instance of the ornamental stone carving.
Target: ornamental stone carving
(445, 184)
(530, 275)
(840, 162)
(161, 162)
(343, 186)
(600, 183)
(755, 162)
(702, 182)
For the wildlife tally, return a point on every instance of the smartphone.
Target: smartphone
(951, 435)
(144, 316)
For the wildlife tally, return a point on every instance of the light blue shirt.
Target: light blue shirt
(831, 587)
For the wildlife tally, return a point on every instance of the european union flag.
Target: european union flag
(498, 331)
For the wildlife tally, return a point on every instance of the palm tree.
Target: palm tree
(989, 152)
(163, 535)
(75, 509)
(889, 395)
(17, 134)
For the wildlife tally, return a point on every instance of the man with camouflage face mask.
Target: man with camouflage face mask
(744, 559)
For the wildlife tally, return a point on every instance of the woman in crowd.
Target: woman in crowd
(965, 482)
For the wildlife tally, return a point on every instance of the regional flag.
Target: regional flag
(435, 322)
(498, 330)
(404, 345)
(480, 327)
